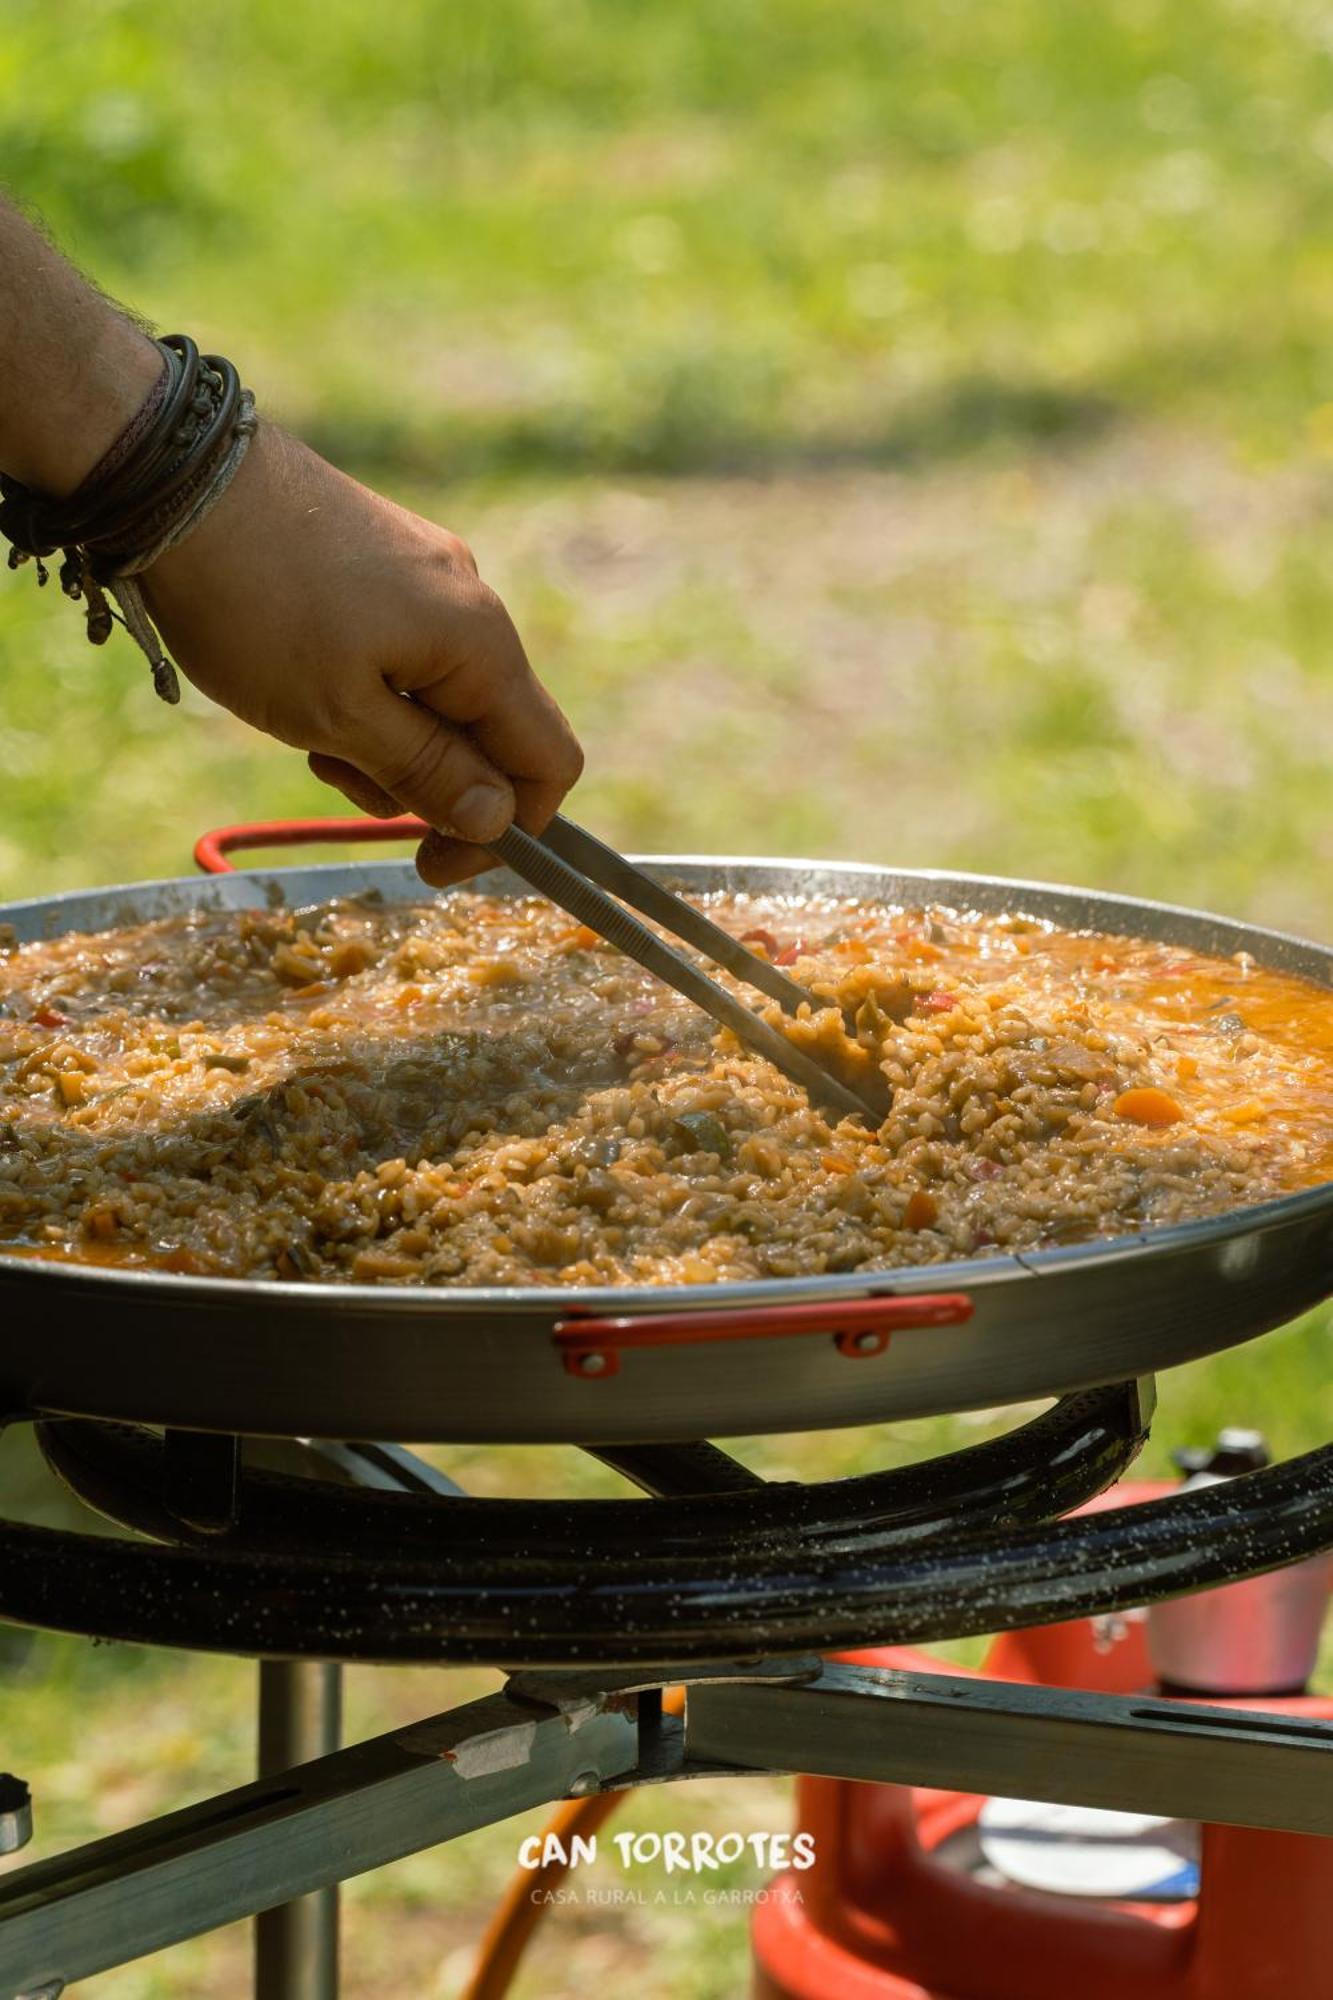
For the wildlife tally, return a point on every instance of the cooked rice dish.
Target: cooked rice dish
(477, 1091)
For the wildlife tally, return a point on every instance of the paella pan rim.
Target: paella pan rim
(568, 1300)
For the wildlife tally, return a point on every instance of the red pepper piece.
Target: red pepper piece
(765, 938)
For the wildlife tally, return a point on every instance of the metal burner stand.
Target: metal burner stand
(308, 1555)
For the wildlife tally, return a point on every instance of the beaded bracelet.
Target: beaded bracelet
(168, 468)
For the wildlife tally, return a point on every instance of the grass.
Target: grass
(900, 434)
(672, 236)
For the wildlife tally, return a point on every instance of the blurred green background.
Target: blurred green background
(899, 433)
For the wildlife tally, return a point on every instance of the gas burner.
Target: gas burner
(311, 1554)
(716, 1563)
(298, 1563)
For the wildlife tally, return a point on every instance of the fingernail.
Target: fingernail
(481, 813)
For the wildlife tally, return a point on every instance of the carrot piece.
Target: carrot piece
(922, 1210)
(1251, 1112)
(1146, 1105)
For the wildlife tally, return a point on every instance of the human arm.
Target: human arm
(307, 604)
(73, 369)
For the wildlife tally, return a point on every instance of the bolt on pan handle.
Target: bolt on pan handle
(591, 1347)
(212, 848)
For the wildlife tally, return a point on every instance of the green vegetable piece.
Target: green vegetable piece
(701, 1132)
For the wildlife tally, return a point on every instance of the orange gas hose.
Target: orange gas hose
(523, 1904)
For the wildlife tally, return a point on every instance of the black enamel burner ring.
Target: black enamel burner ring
(716, 1564)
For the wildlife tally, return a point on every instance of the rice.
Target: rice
(476, 1091)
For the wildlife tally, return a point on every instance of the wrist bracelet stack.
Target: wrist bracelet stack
(170, 465)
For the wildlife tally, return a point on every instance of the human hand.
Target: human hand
(346, 626)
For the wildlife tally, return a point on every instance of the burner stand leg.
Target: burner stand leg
(300, 1719)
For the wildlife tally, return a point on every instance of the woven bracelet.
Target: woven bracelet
(168, 468)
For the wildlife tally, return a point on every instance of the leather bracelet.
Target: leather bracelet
(167, 469)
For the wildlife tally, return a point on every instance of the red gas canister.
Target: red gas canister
(924, 1895)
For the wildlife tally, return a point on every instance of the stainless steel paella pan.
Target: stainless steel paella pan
(624, 1364)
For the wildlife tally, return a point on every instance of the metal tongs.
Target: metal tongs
(567, 863)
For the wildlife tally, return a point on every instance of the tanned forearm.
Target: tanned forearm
(73, 368)
(304, 602)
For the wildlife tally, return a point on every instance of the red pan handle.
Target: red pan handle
(211, 849)
(591, 1347)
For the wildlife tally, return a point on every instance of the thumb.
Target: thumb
(432, 768)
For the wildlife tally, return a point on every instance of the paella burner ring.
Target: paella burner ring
(310, 1554)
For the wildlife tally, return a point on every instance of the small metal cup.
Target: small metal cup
(1254, 1638)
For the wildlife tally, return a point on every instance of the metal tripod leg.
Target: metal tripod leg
(288, 1835)
(548, 1737)
(300, 1719)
